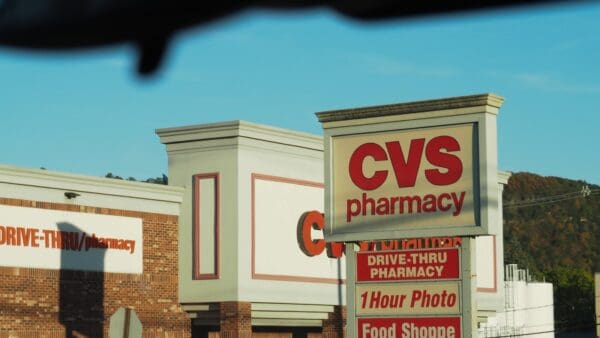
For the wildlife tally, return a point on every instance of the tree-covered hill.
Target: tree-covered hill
(552, 227)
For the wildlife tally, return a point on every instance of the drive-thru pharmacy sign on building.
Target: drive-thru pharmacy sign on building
(421, 169)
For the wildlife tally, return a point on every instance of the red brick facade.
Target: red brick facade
(334, 326)
(236, 320)
(60, 303)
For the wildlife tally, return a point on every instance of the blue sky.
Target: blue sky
(88, 113)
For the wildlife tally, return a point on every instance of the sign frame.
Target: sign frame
(479, 111)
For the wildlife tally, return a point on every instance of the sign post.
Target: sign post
(410, 170)
(469, 282)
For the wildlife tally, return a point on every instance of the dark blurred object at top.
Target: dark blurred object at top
(71, 24)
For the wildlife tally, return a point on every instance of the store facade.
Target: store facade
(76, 251)
(253, 261)
(233, 247)
(248, 186)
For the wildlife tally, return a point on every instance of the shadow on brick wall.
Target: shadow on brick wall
(81, 292)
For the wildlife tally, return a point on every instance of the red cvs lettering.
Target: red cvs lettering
(356, 164)
(314, 247)
(438, 152)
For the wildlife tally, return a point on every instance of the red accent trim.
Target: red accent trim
(495, 288)
(196, 275)
(286, 180)
(285, 278)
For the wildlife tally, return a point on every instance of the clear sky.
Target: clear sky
(89, 113)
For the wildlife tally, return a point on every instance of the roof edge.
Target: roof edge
(479, 100)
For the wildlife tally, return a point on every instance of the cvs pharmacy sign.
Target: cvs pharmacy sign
(414, 178)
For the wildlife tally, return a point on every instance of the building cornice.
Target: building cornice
(239, 129)
(492, 101)
(89, 184)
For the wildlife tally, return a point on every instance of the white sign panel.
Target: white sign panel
(280, 205)
(53, 239)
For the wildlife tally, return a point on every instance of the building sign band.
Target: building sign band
(65, 240)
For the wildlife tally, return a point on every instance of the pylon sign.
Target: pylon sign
(410, 170)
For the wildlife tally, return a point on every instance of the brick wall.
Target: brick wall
(236, 320)
(334, 326)
(60, 303)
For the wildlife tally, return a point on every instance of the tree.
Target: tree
(156, 180)
(573, 297)
(556, 236)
